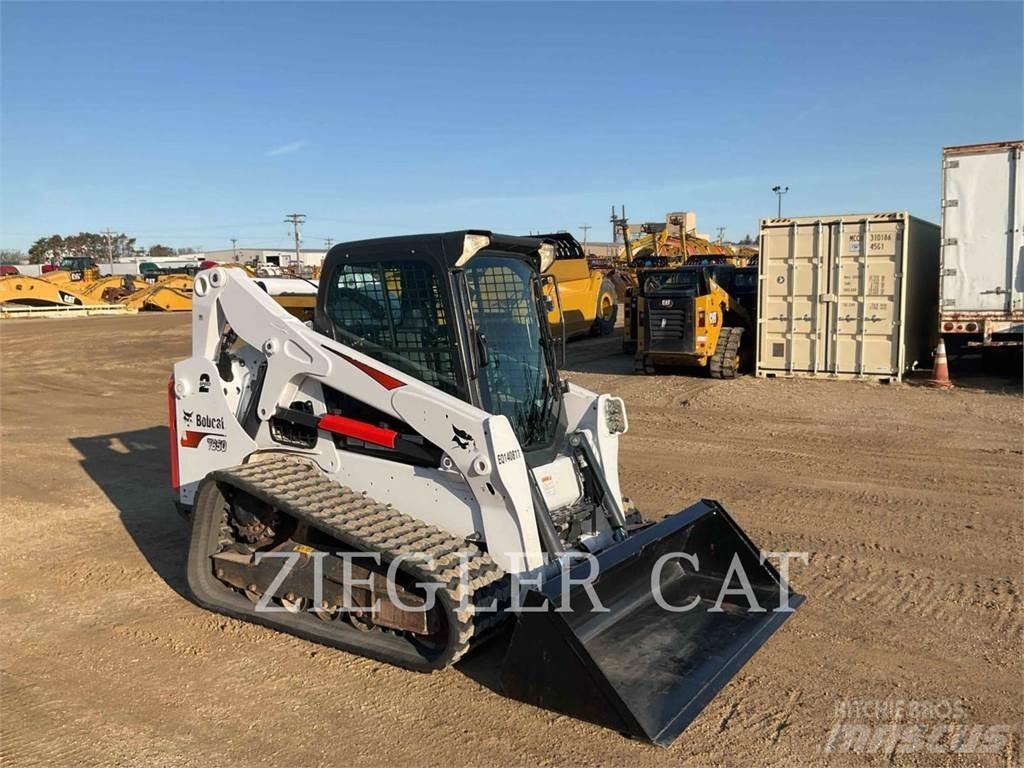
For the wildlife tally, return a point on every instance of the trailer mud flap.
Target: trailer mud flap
(644, 666)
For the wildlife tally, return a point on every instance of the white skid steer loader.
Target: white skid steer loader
(408, 472)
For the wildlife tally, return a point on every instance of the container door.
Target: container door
(793, 278)
(978, 212)
(866, 277)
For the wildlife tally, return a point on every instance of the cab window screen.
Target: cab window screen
(394, 312)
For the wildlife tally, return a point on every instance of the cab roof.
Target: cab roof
(446, 250)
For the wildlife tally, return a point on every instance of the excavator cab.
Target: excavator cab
(78, 267)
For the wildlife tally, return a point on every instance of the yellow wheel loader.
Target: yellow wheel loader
(687, 316)
(409, 475)
(586, 299)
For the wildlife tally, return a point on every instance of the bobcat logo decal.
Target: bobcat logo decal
(462, 439)
(188, 418)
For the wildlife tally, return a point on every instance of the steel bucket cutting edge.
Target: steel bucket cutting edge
(640, 668)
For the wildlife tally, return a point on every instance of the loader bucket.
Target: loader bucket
(640, 668)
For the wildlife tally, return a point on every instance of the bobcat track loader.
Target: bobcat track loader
(419, 422)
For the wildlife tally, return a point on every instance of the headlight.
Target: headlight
(615, 415)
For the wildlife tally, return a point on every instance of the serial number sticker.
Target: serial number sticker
(509, 456)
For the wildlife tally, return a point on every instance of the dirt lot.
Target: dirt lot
(908, 501)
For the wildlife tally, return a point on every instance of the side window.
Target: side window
(360, 304)
(395, 312)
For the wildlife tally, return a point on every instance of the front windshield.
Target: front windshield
(518, 381)
(746, 280)
(679, 281)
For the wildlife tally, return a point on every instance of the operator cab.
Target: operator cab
(76, 266)
(461, 311)
(686, 281)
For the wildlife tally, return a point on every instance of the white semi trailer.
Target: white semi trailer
(981, 288)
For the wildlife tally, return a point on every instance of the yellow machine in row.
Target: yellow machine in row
(67, 285)
(587, 301)
(685, 317)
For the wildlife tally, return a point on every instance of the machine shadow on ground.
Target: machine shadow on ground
(131, 468)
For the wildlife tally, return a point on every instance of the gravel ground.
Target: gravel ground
(907, 500)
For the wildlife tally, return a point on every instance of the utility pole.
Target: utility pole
(585, 228)
(234, 249)
(329, 241)
(721, 234)
(296, 220)
(110, 250)
(780, 191)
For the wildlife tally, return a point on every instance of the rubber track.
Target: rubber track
(722, 364)
(304, 492)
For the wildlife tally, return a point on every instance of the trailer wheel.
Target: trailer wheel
(607, 310)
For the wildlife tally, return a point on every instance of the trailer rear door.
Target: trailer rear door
(980, 213)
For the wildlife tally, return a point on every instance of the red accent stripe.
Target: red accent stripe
(172, 426)
(388, 382)
(360, 430)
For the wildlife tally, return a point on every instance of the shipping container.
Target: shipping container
(982, 269)
(847, 296)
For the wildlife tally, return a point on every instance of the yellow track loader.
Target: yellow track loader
(408, 475)
(689, 316)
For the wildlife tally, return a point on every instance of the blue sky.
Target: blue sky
(191, 124)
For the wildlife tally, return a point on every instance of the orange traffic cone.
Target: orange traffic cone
(940, 369)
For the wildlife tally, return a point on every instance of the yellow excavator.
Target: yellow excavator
(67, 285)
(171, 293)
